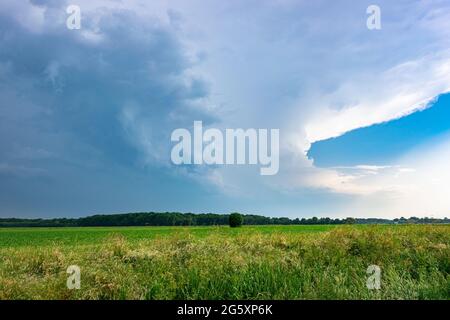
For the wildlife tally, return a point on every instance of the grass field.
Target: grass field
(252, 262)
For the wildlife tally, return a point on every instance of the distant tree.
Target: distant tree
(349, 220)
(194, 219)
(236, 220)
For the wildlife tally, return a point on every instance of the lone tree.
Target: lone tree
(350, 220)
(236, 220)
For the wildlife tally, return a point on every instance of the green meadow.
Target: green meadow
(74, 236)
(251, 262)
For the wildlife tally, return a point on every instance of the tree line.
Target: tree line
(193, 219)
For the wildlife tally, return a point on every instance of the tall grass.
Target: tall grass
(414, 261)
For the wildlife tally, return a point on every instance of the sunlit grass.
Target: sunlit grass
(253, 262)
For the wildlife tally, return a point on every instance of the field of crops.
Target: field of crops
(252, 262)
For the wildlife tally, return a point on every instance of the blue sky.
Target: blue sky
(86, 115)
(381, 144)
